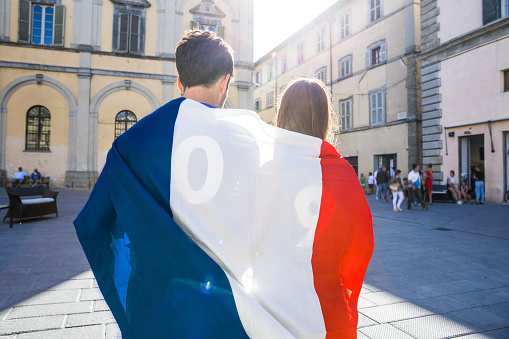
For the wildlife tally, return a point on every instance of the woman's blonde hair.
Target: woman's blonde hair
(305, 107)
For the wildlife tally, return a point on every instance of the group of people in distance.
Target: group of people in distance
(19, 177)
(461, 193)
(388, 183)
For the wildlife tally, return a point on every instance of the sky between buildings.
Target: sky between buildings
(276, 20)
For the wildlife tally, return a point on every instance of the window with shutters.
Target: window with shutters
(270, 99)
(375, 10)
(345, 110)
(376, 54)
(377, 107)
(345, 66)
(493, 10)
(41, 24)
(258, 78)
(300, 53)
(321, 74)
(128, 29)
(321, 40)
(38, 124)
(284, 66)
(258, 104)
(123, 121)
(506, 81)
(270, 71)
(505, 8)
(344, 26)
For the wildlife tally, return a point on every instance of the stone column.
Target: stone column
(3, 139)
(5, 14)
(168, 80)
(81, 173)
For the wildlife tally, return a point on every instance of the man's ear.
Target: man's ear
(179, 85)
(224, 82)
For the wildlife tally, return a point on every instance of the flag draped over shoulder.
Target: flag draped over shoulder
(209, 223)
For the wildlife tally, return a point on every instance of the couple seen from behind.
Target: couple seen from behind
(210, 223)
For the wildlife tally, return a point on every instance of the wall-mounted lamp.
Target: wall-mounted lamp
(467, 132)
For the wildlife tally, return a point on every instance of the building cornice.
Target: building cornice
(83, 48)
(478, 37)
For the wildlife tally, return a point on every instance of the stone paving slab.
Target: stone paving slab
(423, 281)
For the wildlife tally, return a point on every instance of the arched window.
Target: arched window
(123, 121)
(38, 129)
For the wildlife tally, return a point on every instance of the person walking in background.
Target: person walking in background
(389, 177)
(377, 188)
(371, 182)
(428, 181)
(35, 177)
(382, 180)
(414, 181)
(18, 177)
(363, 182)
(479, 185)
(396, 186)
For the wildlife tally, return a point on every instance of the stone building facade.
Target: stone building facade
(464, 66)
(365, 50)
(76, 74)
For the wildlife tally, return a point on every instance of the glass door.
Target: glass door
(464, 168)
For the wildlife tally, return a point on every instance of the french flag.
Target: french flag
(209, 223)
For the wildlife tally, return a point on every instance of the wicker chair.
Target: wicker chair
(26, 208)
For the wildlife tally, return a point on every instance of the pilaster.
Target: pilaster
(3, 139)
(168, 81)
(5, 14)
(82, 158)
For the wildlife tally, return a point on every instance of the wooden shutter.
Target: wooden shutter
(383, 52)
(348, 114)
(194, 25)
(372, 108)
(59, 25)
(342, 108)
(123, 32)
(380, 108)
(368, 58)
(25, 9)
(490, 11)
(134, 36)
(221, 31)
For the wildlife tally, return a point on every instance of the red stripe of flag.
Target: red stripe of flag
(342, 246)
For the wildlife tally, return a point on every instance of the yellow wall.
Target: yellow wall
(110, 107)
(54, 163)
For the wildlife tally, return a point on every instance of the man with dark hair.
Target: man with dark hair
(414, 182)
(205, 67)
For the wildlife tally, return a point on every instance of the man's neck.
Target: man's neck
(201, 94)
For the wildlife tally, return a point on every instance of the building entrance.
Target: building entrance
(506, 163)
(471, 151)
(387, 160)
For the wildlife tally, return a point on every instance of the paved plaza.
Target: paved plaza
(443, 273)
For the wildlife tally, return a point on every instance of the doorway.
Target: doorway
(471, 154)
(506, 162)
(387, 160)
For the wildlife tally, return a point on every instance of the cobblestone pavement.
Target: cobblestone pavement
(443, 273)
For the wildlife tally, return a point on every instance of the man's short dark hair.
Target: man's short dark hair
(202, 58)
(414, 166)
